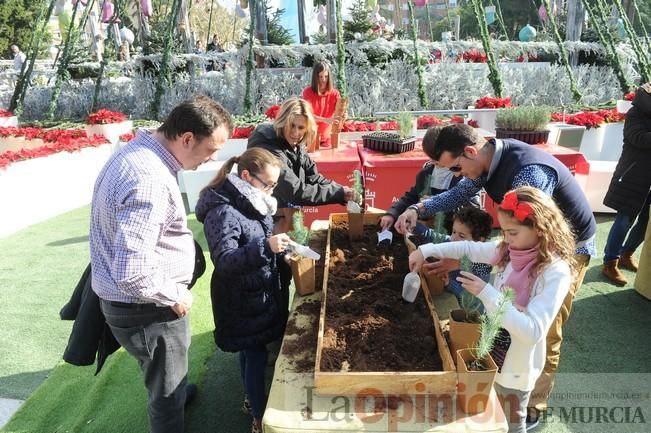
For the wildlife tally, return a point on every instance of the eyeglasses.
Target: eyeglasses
(267, 187)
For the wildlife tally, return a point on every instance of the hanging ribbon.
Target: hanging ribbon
(146, 7)
(107, 11)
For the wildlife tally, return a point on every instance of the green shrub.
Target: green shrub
(523, 118)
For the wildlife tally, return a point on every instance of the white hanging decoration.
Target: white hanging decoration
(241, 13)
(321, 18)
(127, 35)
(59, 7)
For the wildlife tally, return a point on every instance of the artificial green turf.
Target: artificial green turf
(607, 333)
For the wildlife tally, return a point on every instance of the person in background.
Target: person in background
(323, 98)
(236, 211)
(535, 259)
(629, 192)
(19, 58)
(214, 44)
(142, 251)
(430, 181)
(198, 47)
(499, 166)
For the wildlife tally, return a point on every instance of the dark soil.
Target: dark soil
(301, 350)
(419, 240)
(318, 240)
(368, 325)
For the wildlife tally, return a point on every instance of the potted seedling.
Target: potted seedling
(392, 142)
(302, 267)
(465, 322)
(356, 208)
(526, 123)
(476, 368)
(436, 235)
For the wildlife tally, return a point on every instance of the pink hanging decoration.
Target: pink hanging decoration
(420, 3)
(107, 11)
(146, 7)
(542, 13)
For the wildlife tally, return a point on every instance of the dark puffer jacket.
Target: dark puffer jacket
(631, 180)
(300, 183)
(245, 286)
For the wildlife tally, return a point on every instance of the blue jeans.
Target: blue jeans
(252, 365)
(615, 244)
(159, 340)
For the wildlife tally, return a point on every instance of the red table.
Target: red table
(338, 165)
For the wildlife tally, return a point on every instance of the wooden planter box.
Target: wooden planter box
(388, 142)
(381, 383)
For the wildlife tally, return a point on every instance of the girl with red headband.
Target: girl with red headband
(534, 258)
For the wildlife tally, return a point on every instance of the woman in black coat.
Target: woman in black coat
(300, 183)
(629, 191)
(236, 211)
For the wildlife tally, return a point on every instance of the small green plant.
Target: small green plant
(523, 118)
(437, 233)
(469, 303)
(490, 328)
(405, 124)
(300, 234)
(358, 187)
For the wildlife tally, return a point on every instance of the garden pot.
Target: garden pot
(623, 106)
(355, 225)
(613, 141)
(431, 283)
(474, 387)
(463, 335)
(484, 118)
(593, 141)
(530, 137)
(303, 274)
(565, 135)
(111, 131)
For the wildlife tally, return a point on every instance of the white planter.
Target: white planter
(562, 134)
(613, 141)
(111, 131)
(41, 188)
(5, 122)
(593, 140)
(623, 105)
(485, 119)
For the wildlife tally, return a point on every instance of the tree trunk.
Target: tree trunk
(575, 14)
(331, 8)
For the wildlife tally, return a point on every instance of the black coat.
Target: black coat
(631, 180)
(300, 183)
(245, 287)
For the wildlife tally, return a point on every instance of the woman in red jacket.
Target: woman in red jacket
(323, 97)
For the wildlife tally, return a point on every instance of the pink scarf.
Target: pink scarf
(520, 280)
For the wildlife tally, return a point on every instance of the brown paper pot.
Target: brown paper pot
(435, 285)
(303, 273)
(334, 141)
(355, 226)
(474, 387)
(462, 334)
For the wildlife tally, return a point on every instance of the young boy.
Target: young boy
(470, 224)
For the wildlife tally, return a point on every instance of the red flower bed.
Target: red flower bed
(473, 123)
(629, 97)
(457, 119)
(473, 56)
(272, 112)
(242, 131)
(590, 119)
(490, 102)
(103, 117)
(425, 122)
(127, 137)
(5, 113)
(58, 140)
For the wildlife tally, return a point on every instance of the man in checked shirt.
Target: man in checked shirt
(142, 252)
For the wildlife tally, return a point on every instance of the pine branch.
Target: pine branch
(491, 324)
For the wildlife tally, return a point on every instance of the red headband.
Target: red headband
(521, 210)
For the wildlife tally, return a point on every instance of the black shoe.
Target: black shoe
(190, 393)
(533, 419)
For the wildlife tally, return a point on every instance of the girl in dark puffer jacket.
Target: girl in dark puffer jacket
(236, 211)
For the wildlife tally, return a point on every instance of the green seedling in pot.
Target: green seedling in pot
(490, 329)
(299, 234)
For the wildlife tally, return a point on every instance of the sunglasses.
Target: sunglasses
(267, 186)
(456, 168)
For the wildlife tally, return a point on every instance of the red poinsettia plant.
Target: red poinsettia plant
(5, 113)
(425, 122)
(242, 131)
(272, 112)
(629, 96)
(125, 138)
(490, 102)
(474, 56)
(473, 123)
(103, 117)
(590, 119)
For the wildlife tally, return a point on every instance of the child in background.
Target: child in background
(470, 224)
(430, 180)
(535, 259)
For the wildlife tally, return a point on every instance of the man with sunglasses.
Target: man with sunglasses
(499, 166)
